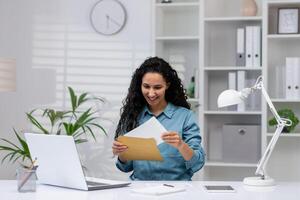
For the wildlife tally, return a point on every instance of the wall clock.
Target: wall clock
(108, 17)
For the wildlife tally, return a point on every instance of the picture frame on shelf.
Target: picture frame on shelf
(288, 20)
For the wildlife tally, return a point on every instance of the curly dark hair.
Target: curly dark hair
(135, 101)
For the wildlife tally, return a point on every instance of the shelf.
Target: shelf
(162, 38)
(231, 19)
(232, 113)
(193, 100)
(227, 164)
(293, 135)
(284, 2)
(178, 4)
(276, 100)
(230, 68)
(283, 36)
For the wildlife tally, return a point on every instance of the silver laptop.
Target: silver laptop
(59, 164)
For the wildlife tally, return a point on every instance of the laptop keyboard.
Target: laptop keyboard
(91, 183)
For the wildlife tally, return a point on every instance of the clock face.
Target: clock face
(108, 17)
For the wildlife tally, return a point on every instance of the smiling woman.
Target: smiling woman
(156, 90)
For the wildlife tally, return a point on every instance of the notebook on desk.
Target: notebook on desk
(59, 164)
(162, 189)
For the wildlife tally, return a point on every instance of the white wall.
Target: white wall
(52, 41)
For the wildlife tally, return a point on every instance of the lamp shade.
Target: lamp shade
(229, 97)
(7, 75)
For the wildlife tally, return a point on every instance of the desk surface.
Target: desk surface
(194, 190)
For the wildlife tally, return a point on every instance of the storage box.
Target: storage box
(241, 143)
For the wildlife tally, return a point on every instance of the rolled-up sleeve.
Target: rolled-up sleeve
(191, 136)
(124, 167)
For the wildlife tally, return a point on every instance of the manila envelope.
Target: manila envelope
(140, 148)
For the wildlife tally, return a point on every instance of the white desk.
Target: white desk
(194, 191)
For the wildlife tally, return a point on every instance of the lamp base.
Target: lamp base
(258, 181)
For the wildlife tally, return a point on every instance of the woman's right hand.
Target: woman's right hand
(119, 148)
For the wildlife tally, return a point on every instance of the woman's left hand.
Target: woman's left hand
(172, 138)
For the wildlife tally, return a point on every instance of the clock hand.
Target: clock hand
(107, 21)
(114, 21)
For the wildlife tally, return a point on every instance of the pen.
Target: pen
(168, 185)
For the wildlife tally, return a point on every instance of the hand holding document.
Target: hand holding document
(140, 148)
(150, 129)
(142, 141)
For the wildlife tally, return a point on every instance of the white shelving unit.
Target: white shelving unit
(221, 18)
(176, 39)
(203, 32)
(278, 47)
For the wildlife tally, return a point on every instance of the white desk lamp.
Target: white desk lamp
(233, 97)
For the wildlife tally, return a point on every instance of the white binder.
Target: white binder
(232, 86)
(279, 81)
(289, 78)
(232, 80)
(241, 80)
(256, 44)
(240, 47)
(249, 46)
(296, 73)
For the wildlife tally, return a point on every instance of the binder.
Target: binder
(232, 80)
(249, 46)
(289, 82)
(232, 86)
(241, 79)
(296, 71)
(256, 44)
(252, 101)
(279, 81)
(240, 47)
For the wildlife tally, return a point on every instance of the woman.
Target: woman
(156, 90)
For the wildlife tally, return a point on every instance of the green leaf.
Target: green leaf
(5, 140)
(84, 116)
(17, 157)
(73, 99)
(36, 123)
(82, 99)
(4, 148)
(23, 143)
(78, 134)
(6, 157)
(91, 132)
(100, 127)
(287, 114)
(78, 141)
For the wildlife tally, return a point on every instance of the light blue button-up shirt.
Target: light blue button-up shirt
(173, 167)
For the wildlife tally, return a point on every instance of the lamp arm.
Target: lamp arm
(261, 167)
(281, 123)
(270, 104)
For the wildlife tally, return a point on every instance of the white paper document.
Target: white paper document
(150, 129)
(158, 190)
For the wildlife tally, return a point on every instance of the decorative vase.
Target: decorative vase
(249, 8)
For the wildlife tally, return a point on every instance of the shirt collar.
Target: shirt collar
(168, 111)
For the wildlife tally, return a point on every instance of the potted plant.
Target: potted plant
(288, 114)
(78, 122)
